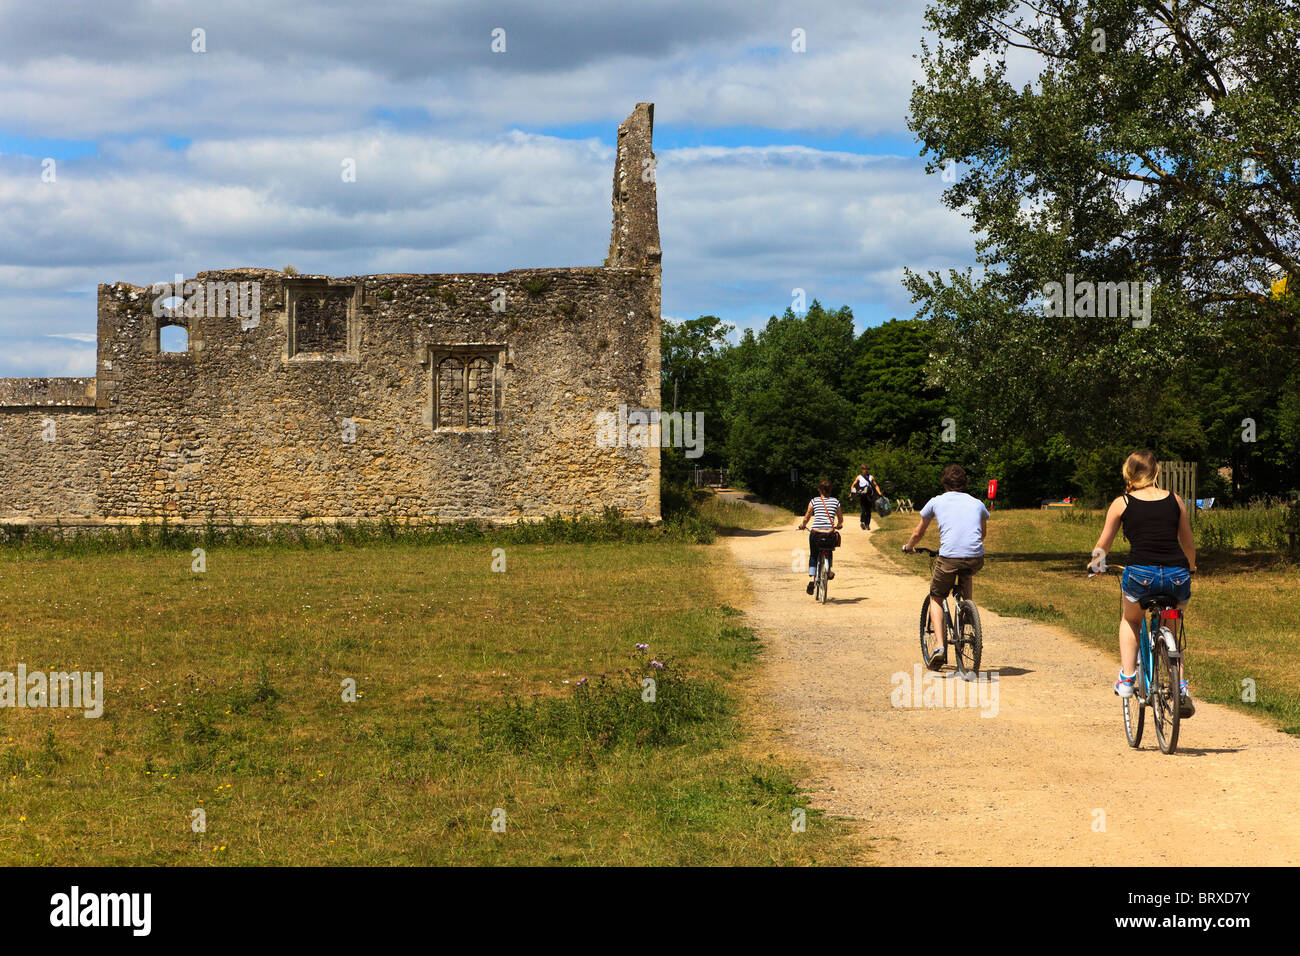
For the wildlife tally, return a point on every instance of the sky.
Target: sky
(777, 169)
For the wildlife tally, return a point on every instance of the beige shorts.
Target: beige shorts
(948, 570)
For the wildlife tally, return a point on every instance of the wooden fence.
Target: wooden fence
(712, 477)
(1179, 477)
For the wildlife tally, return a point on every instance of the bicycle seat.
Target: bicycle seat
(1162, 601)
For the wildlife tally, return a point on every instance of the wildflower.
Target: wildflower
(656, 664)
(642, 647)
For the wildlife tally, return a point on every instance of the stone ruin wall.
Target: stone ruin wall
(406, 396)
(49, 455)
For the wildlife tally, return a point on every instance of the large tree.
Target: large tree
(1157, 142)
(787, 408)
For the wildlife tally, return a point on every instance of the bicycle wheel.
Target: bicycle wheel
(1134, 708)
(927, 632)
(1164, 697)
(970, 642)
(821, 578)
(1134, 716)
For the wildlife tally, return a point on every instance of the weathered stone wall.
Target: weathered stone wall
(50, 467)
(328, 404)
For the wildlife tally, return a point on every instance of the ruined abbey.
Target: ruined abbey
(407, 396)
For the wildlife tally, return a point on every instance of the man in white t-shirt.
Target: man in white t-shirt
(865, 488)
(963, 520)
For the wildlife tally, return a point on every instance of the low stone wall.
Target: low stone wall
(50, 466)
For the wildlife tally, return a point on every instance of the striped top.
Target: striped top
(824, 515)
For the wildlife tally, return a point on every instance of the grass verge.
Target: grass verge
(224, 693)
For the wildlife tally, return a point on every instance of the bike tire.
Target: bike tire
(1130, 706)
(822, 579)
(1164, 698)
(1136, 705)
(927, 632)
(970, 642)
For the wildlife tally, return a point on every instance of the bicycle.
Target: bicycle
(961, 632)
(822, 562)
(1158, 683)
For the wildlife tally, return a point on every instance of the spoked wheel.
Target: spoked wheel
(821, 579)
(970, 643)
(928, 639)
(1164, 695)
(1134, 715)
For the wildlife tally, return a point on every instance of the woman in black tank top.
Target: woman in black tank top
(1162, 558)
(1152, 530)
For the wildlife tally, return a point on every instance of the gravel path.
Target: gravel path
(1041, 774)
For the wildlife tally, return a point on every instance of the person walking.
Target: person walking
(868, 492)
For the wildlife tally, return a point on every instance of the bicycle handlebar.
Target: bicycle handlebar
(1119, 567)
(931, 553)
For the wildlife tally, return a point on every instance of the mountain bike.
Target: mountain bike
(961, 628)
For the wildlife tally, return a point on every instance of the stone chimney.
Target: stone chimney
(635, 239)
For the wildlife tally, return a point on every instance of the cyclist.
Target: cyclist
(963, 519)
(865, 488)
(826, 517)
(1162, 559)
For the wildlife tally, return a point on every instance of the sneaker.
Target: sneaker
(1185, 706)
(936, 658)
(811, 585)
(1124, 686)
(864, 525)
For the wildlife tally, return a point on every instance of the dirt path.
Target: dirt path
(1026, 785)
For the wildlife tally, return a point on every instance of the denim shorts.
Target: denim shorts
(1144, 580)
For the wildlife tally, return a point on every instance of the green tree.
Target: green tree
(1160, 143)
(888, 384)
(786, 409)
(693, 378)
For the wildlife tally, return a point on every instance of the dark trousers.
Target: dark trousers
(866, 511)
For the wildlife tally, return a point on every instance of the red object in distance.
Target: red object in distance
(993, 489)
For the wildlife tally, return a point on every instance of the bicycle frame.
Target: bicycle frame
(1157, 617)
(954, 624)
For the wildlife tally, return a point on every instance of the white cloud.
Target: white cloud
(283, 97)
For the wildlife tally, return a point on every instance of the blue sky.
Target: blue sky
(778, 170)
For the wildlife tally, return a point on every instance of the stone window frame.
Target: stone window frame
(155, 338)
(465, 353)
(297, 288)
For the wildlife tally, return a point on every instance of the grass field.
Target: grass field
(1243, 621)
(224, 692)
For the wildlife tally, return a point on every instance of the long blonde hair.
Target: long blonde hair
(1141, 470)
